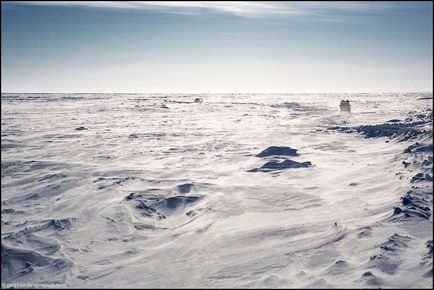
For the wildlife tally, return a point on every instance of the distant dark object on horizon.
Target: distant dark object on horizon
(198, 100)
(345, 106)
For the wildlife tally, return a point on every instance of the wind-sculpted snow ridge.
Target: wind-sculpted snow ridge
(18, 263)
(239, 191)
(416, 205)
(160, 207)
(413, 127)
(417, 202)
(31, 256)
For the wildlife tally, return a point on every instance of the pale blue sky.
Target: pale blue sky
(193, 47)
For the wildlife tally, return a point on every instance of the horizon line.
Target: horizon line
(208, 93)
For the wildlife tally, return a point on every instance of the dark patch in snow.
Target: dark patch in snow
(176, 201)
(60, 224)
(395, 242)
(142, 226)
(278, 150)
(276, 165)
(371, 280)
(421, 177)
(384, 263)
(365, 232)
(108, 182)
(428, 162)
(417, 147)
(400, 131)
(185, 188)
(413, 204)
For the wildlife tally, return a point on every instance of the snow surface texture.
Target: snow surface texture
(133, 190)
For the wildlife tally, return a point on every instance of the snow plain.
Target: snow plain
(156, 191)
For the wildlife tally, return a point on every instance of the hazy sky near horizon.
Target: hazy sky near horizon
(194, 47)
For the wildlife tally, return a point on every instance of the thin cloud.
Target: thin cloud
(324, 10)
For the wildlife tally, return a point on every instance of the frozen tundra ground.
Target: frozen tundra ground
(146, 191)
